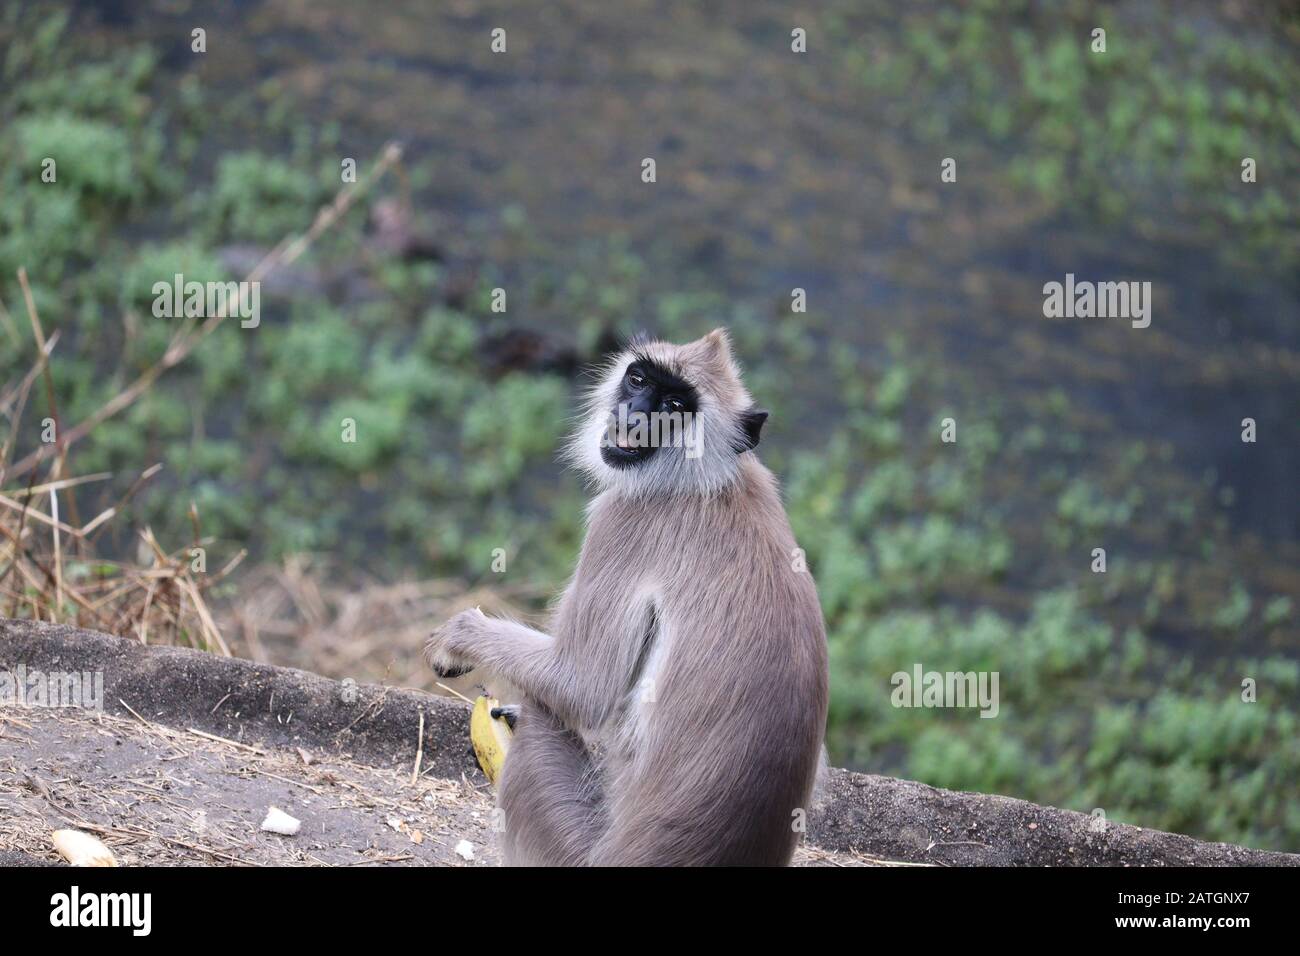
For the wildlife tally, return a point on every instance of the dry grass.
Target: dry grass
(370, 632)
(49, 570)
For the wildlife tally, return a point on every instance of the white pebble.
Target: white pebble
(82, 849)
(277, 821)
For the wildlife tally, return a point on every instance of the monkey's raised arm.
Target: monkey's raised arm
(583, 689)
(518, 654)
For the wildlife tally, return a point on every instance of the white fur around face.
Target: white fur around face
(722, 400)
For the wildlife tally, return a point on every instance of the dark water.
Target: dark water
(775, 171)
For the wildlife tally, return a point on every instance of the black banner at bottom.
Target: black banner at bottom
(333, 905)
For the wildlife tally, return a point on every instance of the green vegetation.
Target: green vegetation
(1153, 131)
(250, 429)
(964, 556)
(1093, 713)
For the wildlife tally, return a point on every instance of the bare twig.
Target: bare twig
(419, 753)
(187, 338)
(225, 740)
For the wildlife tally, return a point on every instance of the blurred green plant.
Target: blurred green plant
(1150, 132)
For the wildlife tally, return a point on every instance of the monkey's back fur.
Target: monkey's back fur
(693, 731)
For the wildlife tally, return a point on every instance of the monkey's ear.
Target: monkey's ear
(718, 343)
(751, 424)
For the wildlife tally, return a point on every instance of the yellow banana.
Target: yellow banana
(490, 737)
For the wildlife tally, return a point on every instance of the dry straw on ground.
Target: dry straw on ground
(48, 565)
(157, 795)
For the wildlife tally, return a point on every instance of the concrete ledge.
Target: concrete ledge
(249, 702)
(280, 707)
(910, 821)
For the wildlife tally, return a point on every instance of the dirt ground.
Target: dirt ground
(157, 795)
(162, 796)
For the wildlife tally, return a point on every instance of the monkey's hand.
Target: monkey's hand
(449, 650)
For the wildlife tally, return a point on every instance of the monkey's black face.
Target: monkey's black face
(654, 407)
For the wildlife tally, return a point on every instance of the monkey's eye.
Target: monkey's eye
(674, 404)
(635, 378)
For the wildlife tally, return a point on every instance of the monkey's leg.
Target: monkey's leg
(550, 794)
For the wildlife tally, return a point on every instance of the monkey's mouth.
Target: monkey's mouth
(625, 455)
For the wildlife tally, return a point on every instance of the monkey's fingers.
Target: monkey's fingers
(440, 662)
(450, 673)
(509, 713)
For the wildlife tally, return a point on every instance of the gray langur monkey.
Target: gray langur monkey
(674, 714)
